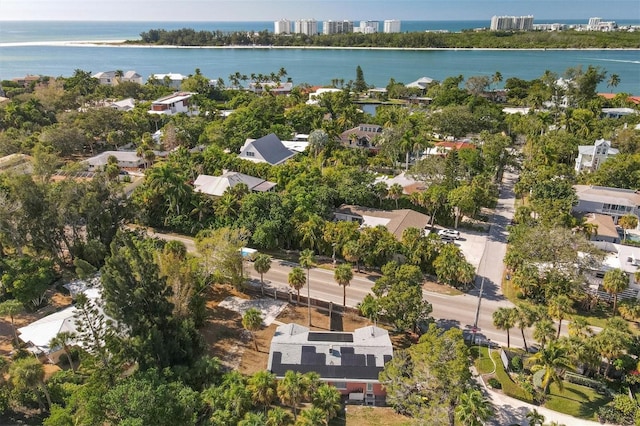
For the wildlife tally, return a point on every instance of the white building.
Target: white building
(171, 79)
(337, 27)
(597, 24)
(590, 157)
(176, 103)
(282, 26)
(306, 26)
(391, 26)
(367, 27)
(519, 23)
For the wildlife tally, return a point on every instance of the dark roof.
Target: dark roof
(359, 355)
(272, 149)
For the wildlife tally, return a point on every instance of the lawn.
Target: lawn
(576, 400)
(374, 416)
(483, 363)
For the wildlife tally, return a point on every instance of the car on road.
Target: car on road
(450, 234)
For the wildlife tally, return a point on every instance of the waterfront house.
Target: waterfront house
(618, 112)
(272, 87)
(267, 149)
(173, 80)
(422, 83)
(396, 221)
(132, 77)
(314, 97)
(590, 157)
(113, 78)
(178, 102)
(613, 202)
(217, 185)
(349, 361)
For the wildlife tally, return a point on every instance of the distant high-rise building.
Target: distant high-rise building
(368, 27)
(282, 26)
(337, 27)
(391, 26)
(306, 26)
(520, 23)
(594, 23)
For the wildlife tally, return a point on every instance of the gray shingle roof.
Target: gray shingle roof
(271, 149)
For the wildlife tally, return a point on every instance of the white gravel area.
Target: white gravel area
(269, 308)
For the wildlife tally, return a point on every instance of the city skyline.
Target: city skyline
(265, 10)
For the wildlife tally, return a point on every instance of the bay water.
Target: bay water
(30, 48)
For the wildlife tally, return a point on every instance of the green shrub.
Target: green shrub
(495, 383)
(516, 364)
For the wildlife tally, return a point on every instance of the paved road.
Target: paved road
(459, 311)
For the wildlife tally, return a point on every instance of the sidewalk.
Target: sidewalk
(512, 411)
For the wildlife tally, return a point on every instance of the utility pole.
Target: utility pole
(475, 322)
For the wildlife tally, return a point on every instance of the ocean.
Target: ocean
(26, 48)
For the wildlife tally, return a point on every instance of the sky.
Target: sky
(268, 10)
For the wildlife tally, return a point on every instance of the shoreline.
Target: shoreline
(121, 44)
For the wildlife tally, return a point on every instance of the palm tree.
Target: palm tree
(262, 264)
(278, 416)
(614, 80)
(297, 280)
(544, 331)
(504, 319)
(327, 398)
(11, 308)
(29, 373)
(252, 419)
(560, 307)
(307, 261)
(291, 391)
(615, 281)
(370, 308)
(554, 360)
(579, 327)
(525, 317)
(252, 321)
(62, 339)
(535, 418)
(473, 409)
(312, 417)
(352, 252)
(628, 221)
(262, 386)
(395, 192)
(343, 276)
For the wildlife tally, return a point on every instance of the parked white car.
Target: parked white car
(451, 234)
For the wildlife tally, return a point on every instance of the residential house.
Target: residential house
(27, 80)
(217, 185)
(106, 78)
(275, 88)
(603, 228)
(314, 97)
(362, 136)
(617, 256)
(179, 102)
(349, 361)
(609, 96)
(590, 157)
(613, 202)
(444, 147)
(267, 149)
(126, 159)
(618, 112)
(173, 80)
(408, 183)
(422, 83)
(396, 221)
(131, 77)
(38, 334)
(124, 105)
